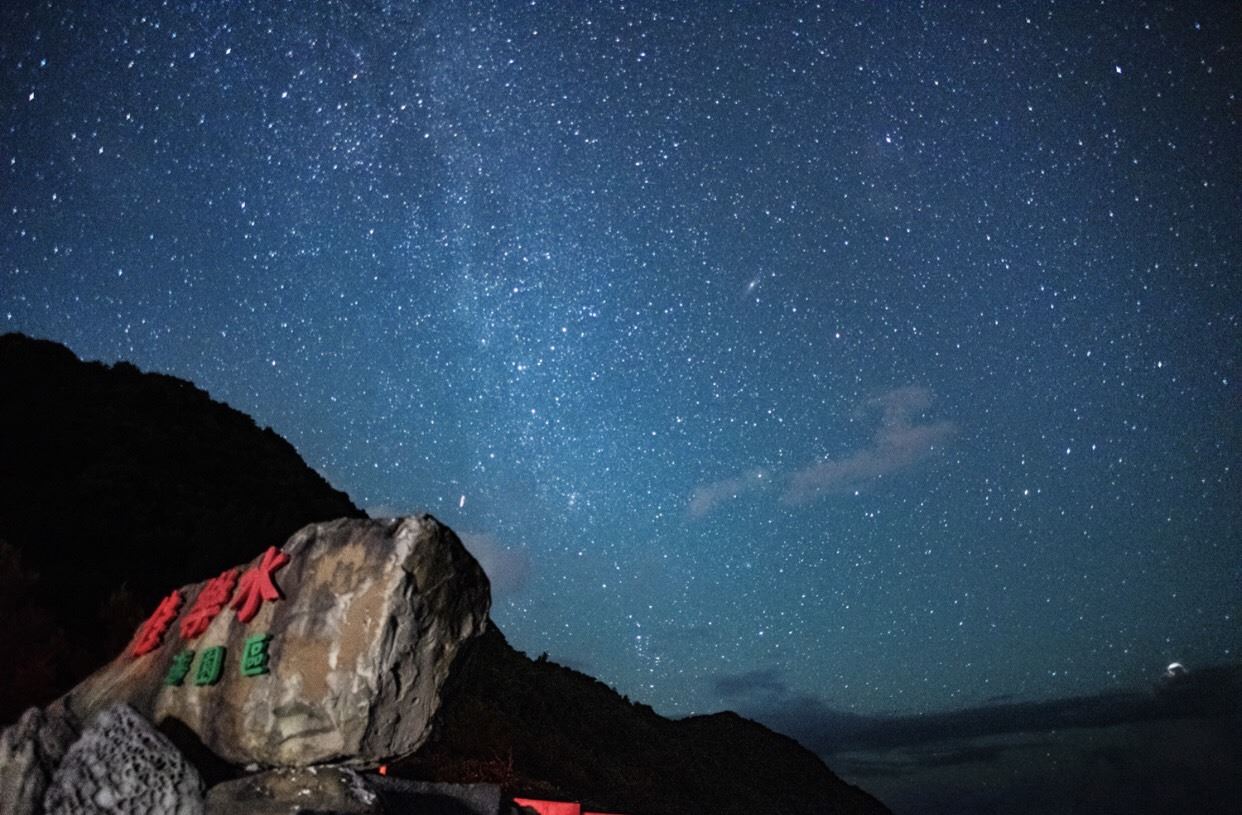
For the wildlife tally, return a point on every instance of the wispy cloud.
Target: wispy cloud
(899, 444)
(507, 569)
(386, 511)
(765, 695)
(708, 496)
(1210, 692)
(1170, 748)
(764, 681)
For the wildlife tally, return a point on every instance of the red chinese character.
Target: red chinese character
(151, 635)
(256, 585)
(213, 597)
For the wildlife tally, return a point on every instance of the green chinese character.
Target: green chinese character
(254, 657)
(180, 668)
(210, 666)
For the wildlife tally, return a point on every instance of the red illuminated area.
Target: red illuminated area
(211, 600)
(257, 585)
(555, 807)
(549, 807)
(151, 634)
(254, 588)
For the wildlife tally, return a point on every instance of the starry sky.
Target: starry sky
(881, 354)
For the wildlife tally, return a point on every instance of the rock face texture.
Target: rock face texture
(121, 765)
(29, 754)
(287, 792)
(151, 466)
(335, 648)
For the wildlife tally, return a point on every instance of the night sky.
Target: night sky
(880, 354)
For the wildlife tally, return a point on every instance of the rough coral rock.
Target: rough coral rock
(30, 750)
(121, 765)
(362, 629)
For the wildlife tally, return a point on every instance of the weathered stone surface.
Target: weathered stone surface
(321, 790)
(30, 750)
(373, 619)
(121, 765)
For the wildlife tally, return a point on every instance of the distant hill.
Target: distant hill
(538, 728)
(114, 486)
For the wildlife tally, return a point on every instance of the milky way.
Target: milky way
(881, 354)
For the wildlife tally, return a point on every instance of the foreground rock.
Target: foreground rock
(286, 792)
(334, 649)
(30, 751)
(121, 765)
(342, 791)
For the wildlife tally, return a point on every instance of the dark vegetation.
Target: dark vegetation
(537, 728)
(115, 487)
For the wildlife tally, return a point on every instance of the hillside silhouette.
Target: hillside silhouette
(116, 485)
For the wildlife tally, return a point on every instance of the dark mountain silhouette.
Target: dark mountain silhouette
(115, 486)
(539, 728)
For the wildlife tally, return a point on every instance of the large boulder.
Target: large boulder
(335, 648)
(30, 751)
(121, 765)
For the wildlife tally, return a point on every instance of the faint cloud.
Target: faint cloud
(765, 681)
(385, 511)
(1213, 693)
(764, 695)
(708, 496)
(507, 569)
(898, 444)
